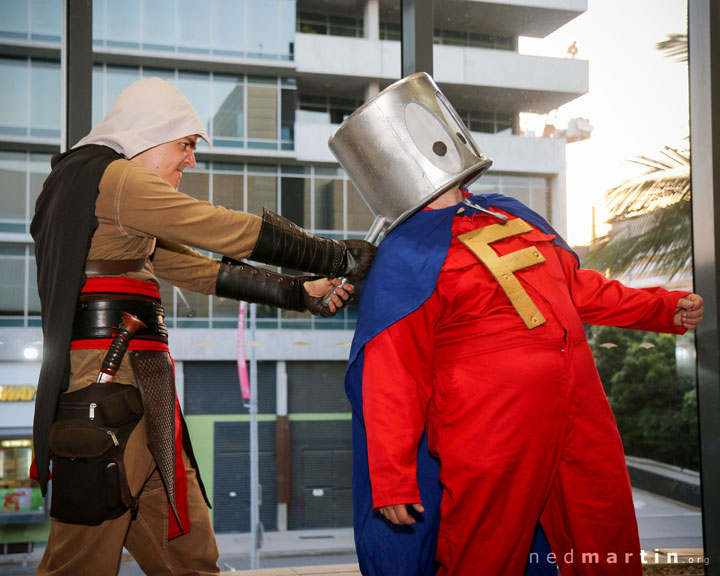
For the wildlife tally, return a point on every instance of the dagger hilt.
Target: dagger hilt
(111, 364)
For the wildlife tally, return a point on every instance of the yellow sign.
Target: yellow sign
(502, 267)
(17, 393)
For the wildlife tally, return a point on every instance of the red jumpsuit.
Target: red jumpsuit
(517, 417)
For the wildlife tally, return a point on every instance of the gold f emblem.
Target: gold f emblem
(502, 267)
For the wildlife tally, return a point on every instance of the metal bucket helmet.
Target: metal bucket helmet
(404, 148)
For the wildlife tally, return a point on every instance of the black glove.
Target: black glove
(241, 281)
(283, 243)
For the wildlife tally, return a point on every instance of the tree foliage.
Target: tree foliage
(655, 408)
(653, 209)
(653, 212)
(675, 47)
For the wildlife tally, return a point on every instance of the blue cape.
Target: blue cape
(403, 276)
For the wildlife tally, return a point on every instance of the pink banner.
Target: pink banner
(242, 364)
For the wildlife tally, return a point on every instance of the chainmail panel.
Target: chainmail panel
(156, 379)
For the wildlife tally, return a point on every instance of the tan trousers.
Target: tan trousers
(78, 550)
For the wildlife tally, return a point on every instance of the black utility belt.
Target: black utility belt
(100, 319)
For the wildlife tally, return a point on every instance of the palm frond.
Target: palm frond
(651, 219)
(674, 47)
(666, 181)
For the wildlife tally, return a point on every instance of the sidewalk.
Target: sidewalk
(333, 541)
(665, 525)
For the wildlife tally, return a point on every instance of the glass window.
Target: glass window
(46, 20)
(310, 23)
(359, 216)
(390, 30)
(223, 308)
(14, 113)
(262, 112)
(12, 190)
(158, 25)
(192, 309)
(228, 110)
(167, 297)
(194, 26)
(45, 99)
(117, 79)
(14, 23)
(328, 204)
(123, 23)
(39, 170)
(17, 492)
(195, 184)
(228, 191)
(263, 39)
(33, 296)
(12, 285)
(287, 113)
(287, 29)
(196, 88)
(262, 192)
(228, 27)
(296, 200)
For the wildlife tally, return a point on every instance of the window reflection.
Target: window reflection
(228, 191)
(121, 27)
(158, 25)
(262, 192)
(228, 27)
(194, 26)
(328, 204)
(12, 190)
(262, 114)
(12, 282)
(235, 28)
(45, 93)
(45, 20)
(39, 20)
(228, 111)
(223, 102)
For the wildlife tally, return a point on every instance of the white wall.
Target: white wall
(380, 59)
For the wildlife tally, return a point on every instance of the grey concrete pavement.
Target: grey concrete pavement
(663, 524)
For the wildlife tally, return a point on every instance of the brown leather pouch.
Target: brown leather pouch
(87, 441)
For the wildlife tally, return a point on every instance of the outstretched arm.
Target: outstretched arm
(607, 302)
(689, 311)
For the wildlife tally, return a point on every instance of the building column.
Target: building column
(76, 64)
(417, 36)
(282, 446)
(372, 20)
(704, 69)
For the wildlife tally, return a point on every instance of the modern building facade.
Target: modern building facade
(271, 80)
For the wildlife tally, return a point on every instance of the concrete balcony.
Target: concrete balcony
(509, 153)
(474, 78)
(536, 18)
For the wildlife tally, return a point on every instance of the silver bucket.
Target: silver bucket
(404, 148)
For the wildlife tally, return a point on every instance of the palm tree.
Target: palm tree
(651, 219)
(675, 47)
(651, 214)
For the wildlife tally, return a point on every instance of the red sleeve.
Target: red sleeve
(397, 382)
(599, 300)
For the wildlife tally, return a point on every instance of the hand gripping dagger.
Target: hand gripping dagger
(128, 326)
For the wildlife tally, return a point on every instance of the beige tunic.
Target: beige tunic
(140, 215)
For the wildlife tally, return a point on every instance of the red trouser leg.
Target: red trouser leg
(589, 518)
(497, 422)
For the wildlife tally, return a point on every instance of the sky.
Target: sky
(637, 102)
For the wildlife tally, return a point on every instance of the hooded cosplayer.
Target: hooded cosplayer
(106, 228)
(473, 387)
